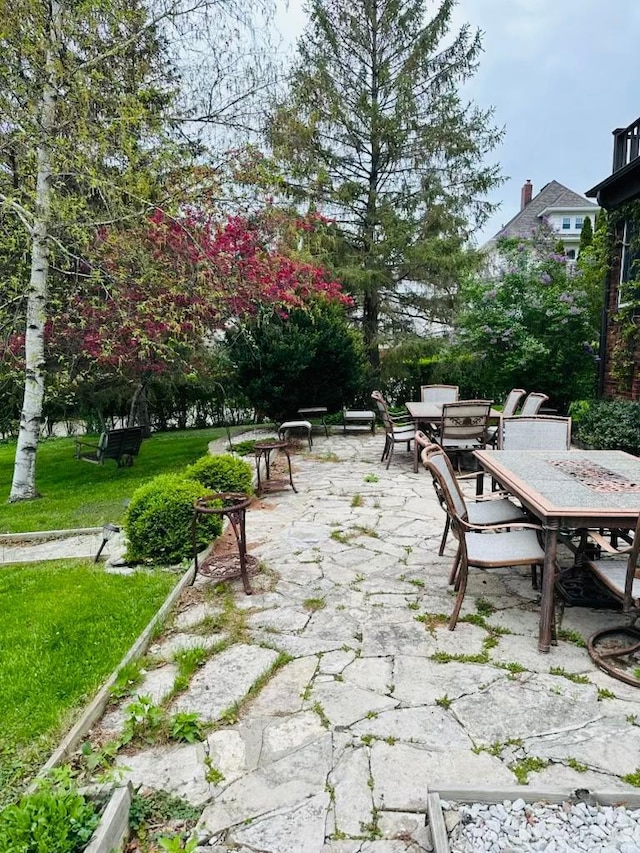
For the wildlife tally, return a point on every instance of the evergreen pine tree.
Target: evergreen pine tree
(373, 132)
(586, 235)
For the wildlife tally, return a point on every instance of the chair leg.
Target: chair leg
(453, 574)
(444, 537)
(386, 448)
(534, 576)
(390, 454)
(462, 581)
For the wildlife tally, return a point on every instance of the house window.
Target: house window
(629, 266)
(566, 223)
(579, 222)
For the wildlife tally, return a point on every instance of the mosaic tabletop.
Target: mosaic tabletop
(590, 479)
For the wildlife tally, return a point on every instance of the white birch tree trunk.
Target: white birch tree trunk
(23, 486)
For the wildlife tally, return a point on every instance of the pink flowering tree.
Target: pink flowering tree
(147, 302)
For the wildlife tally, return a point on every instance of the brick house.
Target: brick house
(621, 312)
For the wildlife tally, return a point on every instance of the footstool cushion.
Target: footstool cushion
(285, 427)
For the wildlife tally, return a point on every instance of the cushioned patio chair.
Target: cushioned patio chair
(397, 429)
(511, 403)
(544, 432)
(615, 650)
(439, 393)
(532, 403)
(463, 427)
(486, 546)
(483, 509)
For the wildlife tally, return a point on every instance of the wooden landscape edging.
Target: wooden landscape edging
(113, 829)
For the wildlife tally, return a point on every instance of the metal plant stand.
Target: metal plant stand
(233, 505)
(262, 451)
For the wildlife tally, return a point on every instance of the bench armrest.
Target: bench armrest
(80, 444)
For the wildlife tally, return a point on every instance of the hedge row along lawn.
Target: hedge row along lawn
(65, 627)
(79, 494)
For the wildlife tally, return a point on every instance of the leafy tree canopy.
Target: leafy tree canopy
(530, 326)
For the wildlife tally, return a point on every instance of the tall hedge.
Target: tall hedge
(308, 358)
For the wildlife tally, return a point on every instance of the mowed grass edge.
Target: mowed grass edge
(66, 625)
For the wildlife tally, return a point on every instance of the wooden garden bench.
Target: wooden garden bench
(119, 444)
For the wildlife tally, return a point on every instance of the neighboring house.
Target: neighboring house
(619, 348)
(556, 205)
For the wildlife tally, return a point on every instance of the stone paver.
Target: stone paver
(378, 705)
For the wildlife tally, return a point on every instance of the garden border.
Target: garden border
(468, 794)
(49, 534)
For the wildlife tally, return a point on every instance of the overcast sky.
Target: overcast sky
(561, 75)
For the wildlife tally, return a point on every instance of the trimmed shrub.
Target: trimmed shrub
(222, 473)
(608, 425)
(158, 520)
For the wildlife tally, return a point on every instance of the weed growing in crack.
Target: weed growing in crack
(633, 778)
(319, 710)
(604, 693)
(213, 775)
(570, 676)
(521, 769)
(484, 607)
(571, 637)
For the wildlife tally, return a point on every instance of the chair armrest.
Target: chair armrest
(493, 496)
(603, 542)
(494, 528)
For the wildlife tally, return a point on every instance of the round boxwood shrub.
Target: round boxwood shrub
(158, 520)
(222, 473)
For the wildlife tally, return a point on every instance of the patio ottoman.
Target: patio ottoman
(285, 428)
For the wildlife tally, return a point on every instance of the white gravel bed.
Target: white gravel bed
(519, 827)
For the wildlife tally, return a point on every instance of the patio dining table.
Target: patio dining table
(576, 489)
(431, 412)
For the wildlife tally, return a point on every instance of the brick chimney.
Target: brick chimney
(525, 194)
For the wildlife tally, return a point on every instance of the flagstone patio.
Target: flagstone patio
(379, 703)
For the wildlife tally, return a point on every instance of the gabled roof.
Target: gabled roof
(553, 194)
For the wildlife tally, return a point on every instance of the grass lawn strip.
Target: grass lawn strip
(66, 625)
(78, 494)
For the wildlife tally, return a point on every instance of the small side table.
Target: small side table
(263, 450)
(234, 506)
(316, 412)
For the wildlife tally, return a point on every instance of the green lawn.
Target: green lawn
(65, 627)
(79, 494)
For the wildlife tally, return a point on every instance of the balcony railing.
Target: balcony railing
(626, 145)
